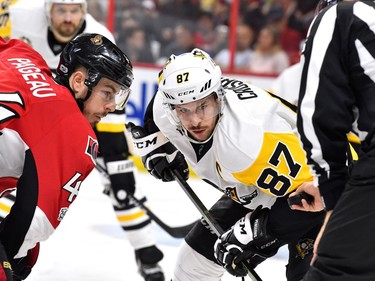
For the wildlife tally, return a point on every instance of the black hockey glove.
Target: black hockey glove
(248, 241)
(122, 181)
(159, 156)
(22, 267)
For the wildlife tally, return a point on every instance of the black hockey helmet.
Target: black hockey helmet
(100, 57)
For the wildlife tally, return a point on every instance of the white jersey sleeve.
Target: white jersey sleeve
(287, 84)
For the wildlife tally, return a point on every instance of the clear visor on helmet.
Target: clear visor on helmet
(118, 98)
(122, 97)
(196, 111)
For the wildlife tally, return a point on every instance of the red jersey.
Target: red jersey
(47, 147)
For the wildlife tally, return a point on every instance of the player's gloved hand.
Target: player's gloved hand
(22, 267)
(122, 181)
(248, 241)
(159, 156)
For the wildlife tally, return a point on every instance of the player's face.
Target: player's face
(101, 101)
(200, 117)
(66, 19)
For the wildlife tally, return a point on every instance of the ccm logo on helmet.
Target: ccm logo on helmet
(185, 93)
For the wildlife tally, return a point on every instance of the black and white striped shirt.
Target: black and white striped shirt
(337, 91)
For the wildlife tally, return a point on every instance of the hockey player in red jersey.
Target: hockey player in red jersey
(47, 143)
(54, 23)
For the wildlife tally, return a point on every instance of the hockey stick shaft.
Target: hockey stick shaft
(176, 232)
(209, 218)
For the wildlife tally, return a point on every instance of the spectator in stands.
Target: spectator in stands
(96, 8)
(206, 33)
(258, 13)
(128, 21)
(268, 56)
(221, 42)
(306, 11)
(293, 26)
(152, 25)
(184, 42)
(244, 40)
(135, 45)
(181, 9)
(221, 11)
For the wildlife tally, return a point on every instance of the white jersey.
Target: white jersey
(254, 154)
(30, 24)
(286, 85)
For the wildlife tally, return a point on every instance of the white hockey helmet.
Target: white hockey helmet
(188, 78)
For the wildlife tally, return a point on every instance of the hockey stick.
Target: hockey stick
(176, 232)
(209, 218)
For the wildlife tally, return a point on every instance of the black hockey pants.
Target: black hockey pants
(346, 251)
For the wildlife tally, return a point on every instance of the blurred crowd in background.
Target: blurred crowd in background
(269, 33)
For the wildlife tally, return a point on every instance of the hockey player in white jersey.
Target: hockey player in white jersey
(243, 141)
(52, 25)
(48, 33)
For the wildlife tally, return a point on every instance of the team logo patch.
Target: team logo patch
(304, 247)
(62, 213)
(92, 148)
(246, 199)
(97, 40)
(199, 54)
(231, 193)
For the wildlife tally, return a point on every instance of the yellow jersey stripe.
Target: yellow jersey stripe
(125, 218)
(110, 127)
(4, 207)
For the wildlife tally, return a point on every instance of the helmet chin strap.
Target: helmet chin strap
(81, 101)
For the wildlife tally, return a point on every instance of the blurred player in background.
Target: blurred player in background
(53, 24)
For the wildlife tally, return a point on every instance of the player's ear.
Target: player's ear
(77, 83)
